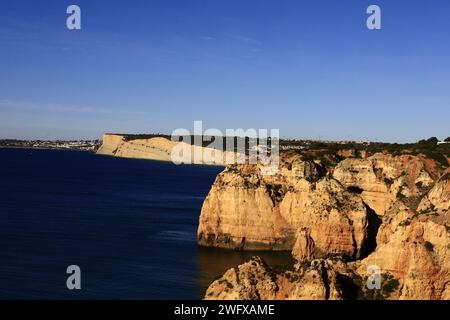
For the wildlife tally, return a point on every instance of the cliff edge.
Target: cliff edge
(162, 149)
(384, 211)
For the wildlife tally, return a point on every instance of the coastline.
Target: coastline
(111, 156)
(161, 160)
(43, 148)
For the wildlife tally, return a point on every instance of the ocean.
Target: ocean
(130, 225)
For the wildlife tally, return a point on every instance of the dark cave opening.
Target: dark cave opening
(354, 189)
(374, 222)
(350, 289)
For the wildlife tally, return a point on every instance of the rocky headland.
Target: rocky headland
(388, 211)
(340, 209)
(161, 148)
(155, 148)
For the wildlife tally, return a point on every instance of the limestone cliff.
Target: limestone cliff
(413, 263)
(383, 179)
(157, 148)
(438, 198)
(162, 149)
(417, 255)
(386, 211)
(247, 210)
(254, 280)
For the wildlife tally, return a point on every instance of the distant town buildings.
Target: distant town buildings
(82, 145)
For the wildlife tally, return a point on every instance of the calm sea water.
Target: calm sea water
(129, 224)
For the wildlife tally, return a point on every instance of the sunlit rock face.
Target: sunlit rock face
(163, 149)
(157, 148)
(254, 280)
(384, 211)
(383, 179)
(413, 263)
(438, 198)
(417, 254)
(248, 210)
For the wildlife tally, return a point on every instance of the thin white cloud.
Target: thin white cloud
(25, 105)
(247, 40)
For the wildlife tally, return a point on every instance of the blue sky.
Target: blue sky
(310, 68)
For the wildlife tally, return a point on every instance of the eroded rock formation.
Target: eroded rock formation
(156, 148)
(383, 179)
(384, 211)
(255, 280)
(162, 149)
(248, 210)
(417, 254)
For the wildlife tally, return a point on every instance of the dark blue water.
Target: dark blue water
(130, 225)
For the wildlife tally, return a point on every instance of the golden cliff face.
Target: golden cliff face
(438, 198)
(110, 144)
(417, 254)
(242, 208)
(384, 179)
(152, 149)
(386, 211)
(161, 149)
(335, 220)
(247, 210)
(254, 280)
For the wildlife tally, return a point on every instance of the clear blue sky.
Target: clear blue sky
(310, 68)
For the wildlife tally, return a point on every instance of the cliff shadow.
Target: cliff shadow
(374, 222)
(214, 262)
